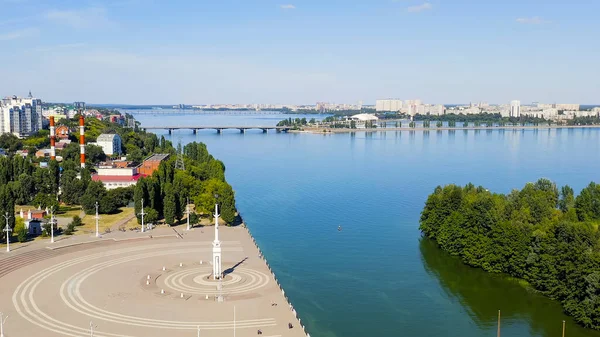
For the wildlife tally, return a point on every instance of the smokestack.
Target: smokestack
(52, 139)
(82, 141)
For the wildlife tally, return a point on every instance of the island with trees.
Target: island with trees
(543, 235)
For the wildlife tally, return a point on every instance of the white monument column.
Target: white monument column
(216, 248)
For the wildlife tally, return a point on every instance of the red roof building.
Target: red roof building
(116, 181)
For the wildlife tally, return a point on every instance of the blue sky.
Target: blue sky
(301, 51)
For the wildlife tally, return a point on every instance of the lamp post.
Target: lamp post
(7, 230)
(187, 210)
(52, 224)
(142, 214)
(97, 233)
(2, 320)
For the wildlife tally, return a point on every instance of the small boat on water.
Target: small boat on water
(339, 228)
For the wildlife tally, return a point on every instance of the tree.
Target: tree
(54, 175)
(20, 230)
(587, 203)
(122, 196)
(170, 204)
(194, 219)
(94, 154)
(151, 215)
(95, 192)
(72, 188)
(567, 199)
(557, 251)
(10, 142)
(216, 191)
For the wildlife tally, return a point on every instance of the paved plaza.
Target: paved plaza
(143, 284)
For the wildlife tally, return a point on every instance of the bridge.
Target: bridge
(219, 128)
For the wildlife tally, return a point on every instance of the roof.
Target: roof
(157, 157)
(109, 179)
(365, 117)
(107, 137)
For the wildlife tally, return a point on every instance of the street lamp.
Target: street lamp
(7, 230)
(2, 320)
(97, 234)
(142, 214)
(52, 224)
(187, 210)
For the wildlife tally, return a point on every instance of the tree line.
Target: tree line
(543, 235)
(166, 192)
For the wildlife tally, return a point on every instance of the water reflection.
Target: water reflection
(483, 294)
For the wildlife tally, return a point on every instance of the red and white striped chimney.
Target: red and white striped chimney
(52, 139)
(82, 141)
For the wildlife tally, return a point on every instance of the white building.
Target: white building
(110, 143)
(364, 117)
(20, 116)
(392, 105)
(515, 109)
(117, 174)
(436, 110)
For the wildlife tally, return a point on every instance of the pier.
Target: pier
(220, 128)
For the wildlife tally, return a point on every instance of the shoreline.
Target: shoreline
(262, 257)
(316, 130)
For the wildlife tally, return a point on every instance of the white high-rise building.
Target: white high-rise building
(388, 105)
(20, 116)
(515, 109)
(110, 143)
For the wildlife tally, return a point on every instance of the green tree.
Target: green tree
(567, 198)
(151, 215)
(94, 154)
(95, 192)
(10, 142)
(587, 203)
(72, 188)
(20, 230)
(169, 204)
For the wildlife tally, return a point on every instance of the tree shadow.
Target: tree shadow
(230, 270)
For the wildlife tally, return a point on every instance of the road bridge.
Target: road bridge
(219, 128)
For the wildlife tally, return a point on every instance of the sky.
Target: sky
(300, 51)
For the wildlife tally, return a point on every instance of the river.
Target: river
(378, 277)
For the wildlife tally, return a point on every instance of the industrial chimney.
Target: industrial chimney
(52, 139)
(82, 141)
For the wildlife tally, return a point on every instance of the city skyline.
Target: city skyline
(300, 52)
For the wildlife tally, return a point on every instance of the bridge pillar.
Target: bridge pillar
(194, 131)
(242, 130)
(219, 130)
(264, 130)
(170, 130)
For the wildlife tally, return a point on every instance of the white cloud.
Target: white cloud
(18, 34)
(419, 8)
(84, 18)
(535, 20)
(288, 6)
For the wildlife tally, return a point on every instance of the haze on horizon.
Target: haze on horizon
(300, 51)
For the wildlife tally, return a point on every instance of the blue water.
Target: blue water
(377, 277)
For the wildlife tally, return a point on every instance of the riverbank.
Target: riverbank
(322, 130)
